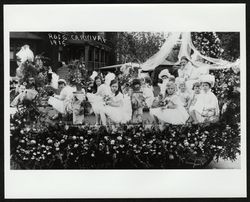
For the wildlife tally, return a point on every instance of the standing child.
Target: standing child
(195, 100)
(137, 101)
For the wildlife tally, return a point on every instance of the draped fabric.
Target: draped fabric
(162, 54)
(185, 50)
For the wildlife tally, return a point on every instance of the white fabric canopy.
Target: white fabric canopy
(185, 50)
(158, 58)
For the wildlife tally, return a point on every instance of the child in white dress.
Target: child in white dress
(77, 105)
(195, 100)
(186, 68)
(63, 102)
(173, 111)
(101, 90)
(207, 107)
(117, 107)
(164, 76)
(183, 93)
(148, 93)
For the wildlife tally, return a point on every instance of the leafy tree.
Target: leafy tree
(138, 46)
(225, 45)
(230, 43)
(208, 43)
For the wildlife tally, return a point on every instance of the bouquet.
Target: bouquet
(106, 98)
(159, 102)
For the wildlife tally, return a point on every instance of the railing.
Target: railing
(93, 65)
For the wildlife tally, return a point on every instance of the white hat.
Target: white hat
(164, 72)
(179, 80)
(109, 77)
(62, 81)
(208, 79)
(94, 74)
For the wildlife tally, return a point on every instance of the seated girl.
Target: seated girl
(207, 108)
(172, 110)
(63, 102)
(117, 107)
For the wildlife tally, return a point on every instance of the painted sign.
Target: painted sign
(58, 39)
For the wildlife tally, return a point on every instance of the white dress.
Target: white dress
(207, 106)
(119, 114)
(195, 102)
(62, 102)
(184, 97)
(190, 74)
(148, 95)
(175, 116)
(96, 100)
(78, 111)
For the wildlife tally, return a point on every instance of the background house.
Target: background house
(95, 49)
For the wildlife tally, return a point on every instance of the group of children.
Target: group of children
(112, 101)
(176, 105)
(181, 105)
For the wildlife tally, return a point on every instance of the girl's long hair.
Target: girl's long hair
(95, 86)
(119, 87)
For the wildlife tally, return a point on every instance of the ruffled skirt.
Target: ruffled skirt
(172, 116)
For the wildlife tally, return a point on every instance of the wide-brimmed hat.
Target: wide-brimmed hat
(164, 72)
(62, 81)
(208, 79)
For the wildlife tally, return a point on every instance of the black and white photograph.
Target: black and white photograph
(124, 100)
(125, 104)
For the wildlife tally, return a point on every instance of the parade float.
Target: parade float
(37, 142)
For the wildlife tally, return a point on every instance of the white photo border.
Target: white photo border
(125, 183)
